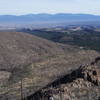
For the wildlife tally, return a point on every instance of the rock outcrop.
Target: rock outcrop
(92, 74)
(84, 85)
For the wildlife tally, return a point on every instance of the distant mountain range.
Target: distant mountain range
(49, 17)
(44, 20)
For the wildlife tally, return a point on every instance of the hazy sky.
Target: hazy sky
(20, 7)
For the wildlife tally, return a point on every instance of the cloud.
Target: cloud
(49, 6)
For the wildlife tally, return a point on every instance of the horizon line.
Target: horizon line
(48, 14)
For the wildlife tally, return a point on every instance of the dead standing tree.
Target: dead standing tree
(21, 89)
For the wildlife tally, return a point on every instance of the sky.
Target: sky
(21, 7)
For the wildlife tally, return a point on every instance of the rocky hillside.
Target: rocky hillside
(29, 63)
(81, 84)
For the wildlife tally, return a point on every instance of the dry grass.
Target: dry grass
(36, 61)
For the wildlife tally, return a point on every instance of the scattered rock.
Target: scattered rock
(92, 74)
(85, 86)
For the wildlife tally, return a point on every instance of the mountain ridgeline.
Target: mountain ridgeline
(47, 20)
(49, 17)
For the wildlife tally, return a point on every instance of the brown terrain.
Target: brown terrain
(81, 84)
(29, 64)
